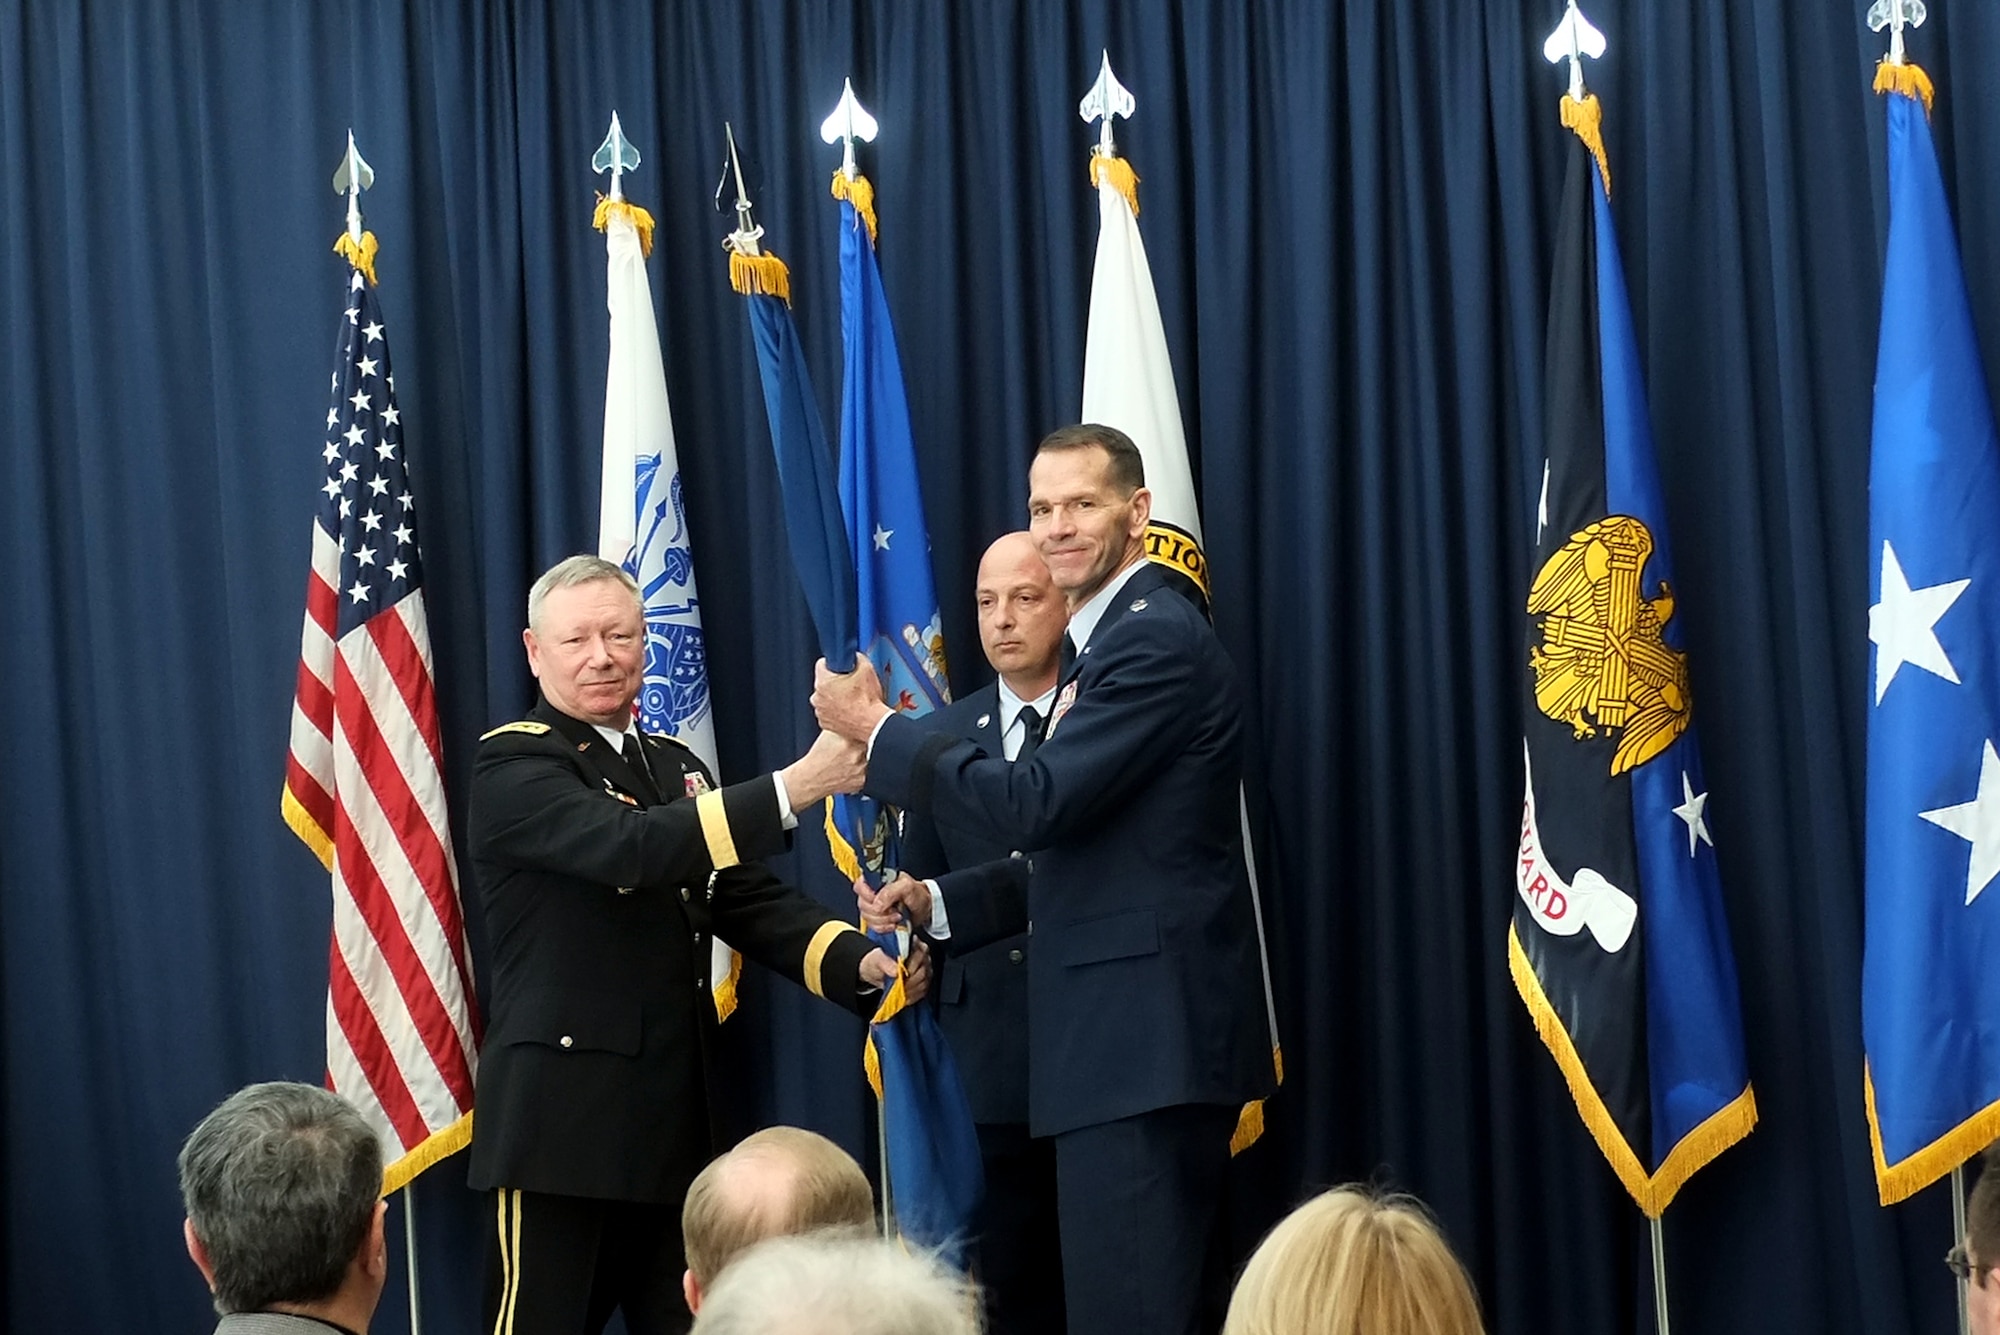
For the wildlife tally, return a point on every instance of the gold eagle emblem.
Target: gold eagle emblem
(1602, 666)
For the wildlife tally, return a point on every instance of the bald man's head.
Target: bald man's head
(783, 1180)
(1022, 615)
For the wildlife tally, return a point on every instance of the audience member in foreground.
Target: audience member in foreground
(1982, 1248)
(837, 1284)
(1349, 1262)
(782, 1181)
(283, 1188)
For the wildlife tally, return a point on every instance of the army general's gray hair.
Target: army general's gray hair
(570, 572)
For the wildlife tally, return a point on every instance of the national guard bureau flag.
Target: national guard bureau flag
(1930, 989)
(364, 786)
(1618, 945)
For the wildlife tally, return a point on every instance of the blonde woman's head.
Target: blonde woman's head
(1350, 1262)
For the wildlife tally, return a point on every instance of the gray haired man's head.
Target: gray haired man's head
(283, 1186)
(837, 1284)
(570, 572)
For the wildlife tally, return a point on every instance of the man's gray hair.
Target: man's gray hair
(837, 1284)
(570, 572)
(281, 1184)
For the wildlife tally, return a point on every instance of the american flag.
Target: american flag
(364, 787)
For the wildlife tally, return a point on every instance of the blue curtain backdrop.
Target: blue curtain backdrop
(1349, 212)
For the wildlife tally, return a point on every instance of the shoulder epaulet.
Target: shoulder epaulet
(527, 725)
(662, 739)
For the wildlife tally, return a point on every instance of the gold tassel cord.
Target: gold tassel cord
(642, 221)
(760, 276)
(360, 254)
(861, 195)
(1118, 172)
(1587, 119)
(1907, 79)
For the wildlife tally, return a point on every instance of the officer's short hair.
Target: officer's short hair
(783, 1180)
(569, 572)
(280, 1183)
(1128, 469)
(838, 1285)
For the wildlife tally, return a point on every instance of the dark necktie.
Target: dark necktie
(1031, 732)
(1068, 656)
(635, 760)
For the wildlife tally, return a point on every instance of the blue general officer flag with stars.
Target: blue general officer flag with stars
(1930, 999)
(933, 1147)
(1619, 946)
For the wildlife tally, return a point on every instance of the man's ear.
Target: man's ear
(198, 1254)
(375, 1247)
(1142, 510)
(691, 1290)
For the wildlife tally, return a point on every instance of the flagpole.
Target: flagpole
(1958, 1239)
(1660, 1326)
(410, 1248)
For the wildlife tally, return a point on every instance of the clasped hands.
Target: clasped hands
(878, 969)
(849, 706)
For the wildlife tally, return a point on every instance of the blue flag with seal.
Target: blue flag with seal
(932, 1148)
(1619, 945)
(1930, 994)
(935, 1171)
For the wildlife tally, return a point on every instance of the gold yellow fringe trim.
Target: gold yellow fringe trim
(438, 1146)
(306, 828)
(1907, 79)
(1120, 174)
(1250, 1121)
(642, 221)
(760, 276)
(1908, 1176)
(723, 989)
(894, 1001)
(1587, 119)
(843, 852)
(861, 195)
(360, 254)
(1653, 1192)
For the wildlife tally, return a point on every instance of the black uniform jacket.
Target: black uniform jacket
(982, 989)
(601, 888)
(1144, 985)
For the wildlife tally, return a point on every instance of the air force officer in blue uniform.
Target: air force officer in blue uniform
(1145, 1027)
(983, 987)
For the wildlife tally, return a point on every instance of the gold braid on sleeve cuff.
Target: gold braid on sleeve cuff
(715, 829)
(816, 949)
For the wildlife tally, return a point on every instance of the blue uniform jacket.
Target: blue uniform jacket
(1144, 977)
(982, 988)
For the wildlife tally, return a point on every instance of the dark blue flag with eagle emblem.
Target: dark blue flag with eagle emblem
(1618, 946)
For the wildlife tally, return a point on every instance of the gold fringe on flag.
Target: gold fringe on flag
(1250, 1121)
(1587, 119)
(1907, 79)
(642, 221)
(723, 989)
(760, 276)
(440, 1144)
(836, 842)
(1908, 1176)
(861, 195)
(360, 254)
(1652, 1192)
(1120, 174)
(893, 1003)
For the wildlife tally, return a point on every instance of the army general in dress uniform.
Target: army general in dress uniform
(606, 859)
